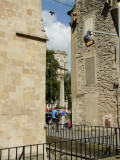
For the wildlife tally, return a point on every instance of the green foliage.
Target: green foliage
(67, 82)
(52, 84)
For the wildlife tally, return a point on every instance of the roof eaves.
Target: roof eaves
(69, 12)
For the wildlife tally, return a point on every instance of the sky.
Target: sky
(57, 26)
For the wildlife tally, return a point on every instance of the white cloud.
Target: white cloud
(59, 35)
(47, 18)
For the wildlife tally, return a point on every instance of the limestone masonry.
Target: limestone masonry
(94, 68)
(22, 73)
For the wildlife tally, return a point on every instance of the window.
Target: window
(58, 58)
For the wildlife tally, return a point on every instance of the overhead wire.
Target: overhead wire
(62, 3)
(70, 5)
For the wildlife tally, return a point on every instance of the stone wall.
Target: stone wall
(22, 73)
(96, 67)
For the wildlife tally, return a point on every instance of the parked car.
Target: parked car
(49, 118)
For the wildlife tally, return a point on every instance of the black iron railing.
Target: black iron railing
(81, 142)
(80, 149)
(97, 134)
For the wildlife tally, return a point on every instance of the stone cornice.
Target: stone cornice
(32, 36)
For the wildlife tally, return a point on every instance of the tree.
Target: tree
(67, 83)
(52, 84)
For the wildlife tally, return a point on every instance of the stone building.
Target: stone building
(61, 57)
(22, 73)
(94, 69)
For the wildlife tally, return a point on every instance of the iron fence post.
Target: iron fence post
(119, 138)
(85, 148)
(111, 135)
(75, 131)
(88, 132)
(89, 148)
(23, 152)
(102, 149)
(81, 131)
(60, 149)
(71, 149)
(63, 132)
(116, 140)
(49, 150)
(16, 153)
(30, 152)
(66, 149)
(99, 136)
(0, 154)
(113, 142)
(98, 149)
(81, 147)
(37, 151)
(107, 135)
(69, 133)
(43, 151)
(72, 131)
(66, 131)
(103, 134)
(94, 150)
(78, 131)
(8, 154)
(76, 150)
(84, 132)
(55, 150)
(91, 132)
(95, 133)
